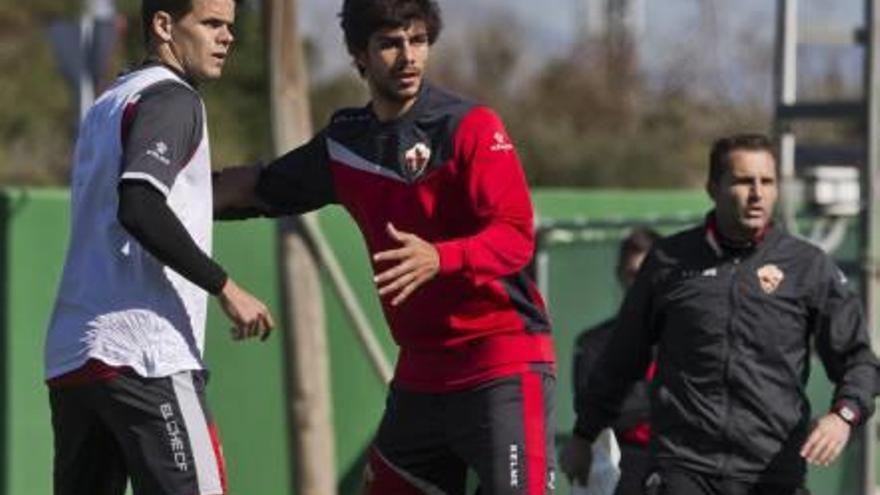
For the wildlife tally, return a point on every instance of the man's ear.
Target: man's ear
(360, 62)
(712, 189)
(162, 26)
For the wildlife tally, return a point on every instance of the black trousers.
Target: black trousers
(503, 430)
(157, 432)
(682, 482)
(636, 463)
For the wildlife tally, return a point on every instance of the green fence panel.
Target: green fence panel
(247, 388)
(358, 391)
(35, 231)
(247, 384)
(246, 391)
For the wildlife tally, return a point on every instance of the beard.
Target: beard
(388, 89)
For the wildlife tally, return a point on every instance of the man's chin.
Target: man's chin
(205, 75)
(753, 225)
(214, 73)
(406, 94)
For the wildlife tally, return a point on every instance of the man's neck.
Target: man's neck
(387, 110)
(163, 55)
(736, 237)
(732, 237)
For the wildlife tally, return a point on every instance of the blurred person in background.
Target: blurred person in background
(735, 307)
(84, 47)
(632, 427)
(124, 349)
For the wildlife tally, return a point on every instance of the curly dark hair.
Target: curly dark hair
(361, 18)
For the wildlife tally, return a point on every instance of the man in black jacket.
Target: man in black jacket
(734, 307)
(631, 428)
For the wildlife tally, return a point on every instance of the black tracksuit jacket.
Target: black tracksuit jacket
(734, 353)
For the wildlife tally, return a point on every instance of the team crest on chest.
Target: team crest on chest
(770, 276)
(416, 159)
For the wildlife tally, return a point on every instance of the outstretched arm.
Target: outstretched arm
(844, 347)
(235, 193)
(297, 182)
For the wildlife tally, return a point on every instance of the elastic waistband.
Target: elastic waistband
(92, 371)
(472, 363)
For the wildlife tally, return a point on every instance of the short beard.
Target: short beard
(388, 94)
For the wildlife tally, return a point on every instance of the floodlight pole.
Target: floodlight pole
(786, 94)
(871, 223)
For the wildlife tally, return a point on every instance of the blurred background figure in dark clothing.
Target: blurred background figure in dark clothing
(632, 428)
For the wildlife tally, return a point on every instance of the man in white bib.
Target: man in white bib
(124, 348)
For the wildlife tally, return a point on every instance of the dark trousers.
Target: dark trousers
(157, 432)
(503, 430)
(636, 463)
(682, 482)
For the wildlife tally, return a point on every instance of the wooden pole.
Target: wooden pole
(308, 376)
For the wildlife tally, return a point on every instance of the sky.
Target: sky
(727, 45)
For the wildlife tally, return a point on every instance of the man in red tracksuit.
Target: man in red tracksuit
(436, 188)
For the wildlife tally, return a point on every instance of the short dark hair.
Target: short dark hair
(177, 9)
(361, 18)
(149, 8)
(719, 157)
(639, 240)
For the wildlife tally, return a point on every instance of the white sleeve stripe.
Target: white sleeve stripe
(344, 156)
(204, 457)
(149, 178)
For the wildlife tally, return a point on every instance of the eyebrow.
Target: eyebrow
(404, 34)
(216, 18)
(753, 177)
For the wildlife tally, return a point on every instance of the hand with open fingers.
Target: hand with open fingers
(416, 261)
(827, 440)
(576, 459)
(249, 316)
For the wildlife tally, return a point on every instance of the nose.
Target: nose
(226, 37)
(408, 52)
(756, 191)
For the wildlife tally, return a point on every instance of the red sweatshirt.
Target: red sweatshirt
(447, 172)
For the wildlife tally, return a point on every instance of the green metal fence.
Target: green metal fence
(247, 386)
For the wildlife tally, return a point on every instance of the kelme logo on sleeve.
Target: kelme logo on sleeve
(160, 152)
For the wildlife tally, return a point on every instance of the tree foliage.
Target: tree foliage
(592, 118)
